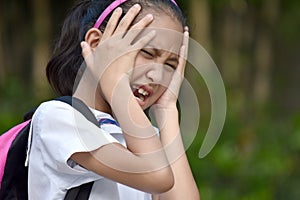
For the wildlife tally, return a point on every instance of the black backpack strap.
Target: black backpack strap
(81, 192)
(79, 106)
(29, 114)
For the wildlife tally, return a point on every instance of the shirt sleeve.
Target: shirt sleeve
(59, 131)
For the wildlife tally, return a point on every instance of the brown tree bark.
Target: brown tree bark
(199, 18)
(41, 47)
(264, 52)
(2, 64)
(2, 52)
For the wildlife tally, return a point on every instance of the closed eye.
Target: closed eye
(172, 62)
(173, 67)
(147, 54)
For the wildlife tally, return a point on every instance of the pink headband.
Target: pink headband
(110, 8)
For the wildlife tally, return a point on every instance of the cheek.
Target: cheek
(159, 91)
(139, 67)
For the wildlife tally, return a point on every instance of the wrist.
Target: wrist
(163, 115)
(170, 108)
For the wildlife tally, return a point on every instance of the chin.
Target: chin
(145, 107)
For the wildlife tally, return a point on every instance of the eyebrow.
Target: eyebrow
(174, 58)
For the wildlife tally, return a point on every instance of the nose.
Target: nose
(155, 73)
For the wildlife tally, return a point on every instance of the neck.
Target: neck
(89, 92)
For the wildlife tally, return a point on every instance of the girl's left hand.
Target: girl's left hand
(170, 96)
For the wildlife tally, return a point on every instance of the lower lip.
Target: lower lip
(141, 103)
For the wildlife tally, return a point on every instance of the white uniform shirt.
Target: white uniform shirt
(57, 132)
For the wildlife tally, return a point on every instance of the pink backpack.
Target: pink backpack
(13, 148)
(13, 173)
(6, 141)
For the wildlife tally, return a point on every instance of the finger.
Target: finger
(178, 75)
(181, 62)
(86, 53)
(127, 20)
(186, 29)
(175, 83)
(143, 41)
(86, 49)
(185, 43)
(138, 27)
(112, 23)
(183, 53)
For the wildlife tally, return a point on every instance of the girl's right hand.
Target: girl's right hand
(115, 54)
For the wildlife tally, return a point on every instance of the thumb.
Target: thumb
(86, 49)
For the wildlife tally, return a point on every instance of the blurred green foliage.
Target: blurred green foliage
(258, 162)
(16, 99)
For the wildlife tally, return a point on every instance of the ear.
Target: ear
(93, 37)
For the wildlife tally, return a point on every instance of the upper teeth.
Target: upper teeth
(143, 92)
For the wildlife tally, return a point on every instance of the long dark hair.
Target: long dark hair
(63, 67)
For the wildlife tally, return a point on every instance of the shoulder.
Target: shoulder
(53, 106)
(52, 116)
(54, 110)
(60, 121)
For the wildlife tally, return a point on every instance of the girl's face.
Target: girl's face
(155, 64)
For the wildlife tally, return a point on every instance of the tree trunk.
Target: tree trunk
(41, 47)
(2, 64)
(264, 53)
(200, 22)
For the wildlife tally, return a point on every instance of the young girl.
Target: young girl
(120, 58)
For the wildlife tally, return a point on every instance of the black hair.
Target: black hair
(64, 66)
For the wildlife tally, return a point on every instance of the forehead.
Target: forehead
(169, 33)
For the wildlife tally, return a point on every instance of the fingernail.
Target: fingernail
(149, 16)
(119, 9)
(138, 6)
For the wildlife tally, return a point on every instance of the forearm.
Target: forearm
(185, 186)
(143, 164)
(139, 133)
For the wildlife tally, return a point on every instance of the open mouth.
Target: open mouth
(141, 93)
